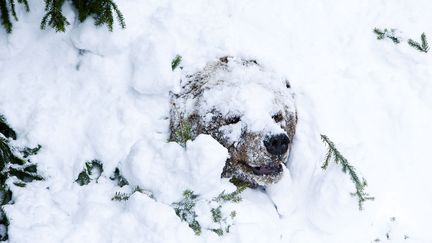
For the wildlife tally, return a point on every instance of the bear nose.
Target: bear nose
(277, 144)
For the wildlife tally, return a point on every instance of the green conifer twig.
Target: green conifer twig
(15, 167)
(92, 171)
(175, 62)
(5, 129)
(8, 10)
(54, 16)
(423, 47)
(26, 5)
(230, 197)
(119, 178)
(183, 133)
(338, 158)
(30, 151)
(391, 34)
(218, 217)
(120, 196)
(186, 212)
(101, 10)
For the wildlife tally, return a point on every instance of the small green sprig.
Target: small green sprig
(183, 133)
(185, 209)
(230, 197)
(347, 168)
(91, 171)
(423, 46)
(387, 33)
(176, 62)
(224, 222)
(119, 178)
(123, 196)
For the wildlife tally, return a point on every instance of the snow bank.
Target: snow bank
(166, 169)
(91, 94)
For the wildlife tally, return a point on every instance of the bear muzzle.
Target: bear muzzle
(267, 169)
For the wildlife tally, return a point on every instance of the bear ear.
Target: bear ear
(225, 59)
(172, 94)
(287, 84)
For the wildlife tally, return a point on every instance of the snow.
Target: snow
(109, 102)
(199, 165)
(252, 92)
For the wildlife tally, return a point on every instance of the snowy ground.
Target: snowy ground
(372, 98)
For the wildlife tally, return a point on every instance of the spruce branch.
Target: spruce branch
(31, 151)
(8, 11)
(24, 176)
(7, 156)
(5, 129)
(423, 46)
(175, 62)
(101, 10)
(360, 184)
(4, 221)
(54, 16)
(230, 197)
(216, 214)
(185, 210)
(14, 167)
(224, 222)
(5, 16)
(183, 133)
(380, 34)
(118, 178)
(26, 5)
(122, 196)
(83, 178)
(387, 33)
(12, 9)
(91, 171)
(119, 15)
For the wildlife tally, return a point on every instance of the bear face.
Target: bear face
(247, 109)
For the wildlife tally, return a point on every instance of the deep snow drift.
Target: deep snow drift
(110, 102)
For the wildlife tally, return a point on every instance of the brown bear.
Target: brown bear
(246, 108)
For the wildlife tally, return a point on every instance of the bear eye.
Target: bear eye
(233, 120)
(278, 117)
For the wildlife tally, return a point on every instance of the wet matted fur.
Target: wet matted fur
(246, 108)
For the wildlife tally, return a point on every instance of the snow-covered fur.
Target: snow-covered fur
(245, 107)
